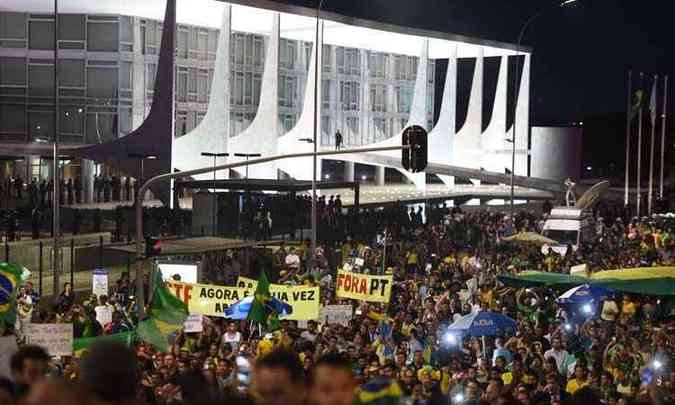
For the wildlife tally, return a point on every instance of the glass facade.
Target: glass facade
(366, 95)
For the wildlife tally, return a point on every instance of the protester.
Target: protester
(445, 264)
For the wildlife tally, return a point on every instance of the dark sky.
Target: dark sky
(581, 52)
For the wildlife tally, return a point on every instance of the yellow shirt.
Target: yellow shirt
(573, 385)
(628, 307)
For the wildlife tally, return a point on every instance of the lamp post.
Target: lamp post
(247, 156)
(529, 21)
(141, 158)
(213, 203)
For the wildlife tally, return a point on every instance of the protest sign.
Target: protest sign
(213, 300)
(364, 287)
(207, 299)
(104, 314)
(340, 314)
(99, 282)
(56, 338)
(193, 324)
(245, 282)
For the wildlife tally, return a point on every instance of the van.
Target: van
(569, 226)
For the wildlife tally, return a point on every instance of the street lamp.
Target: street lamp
(213, 203)
(141, 158)
(516, 90)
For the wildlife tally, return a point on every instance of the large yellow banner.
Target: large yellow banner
(207, 299)
(364, 287)
(213, 300)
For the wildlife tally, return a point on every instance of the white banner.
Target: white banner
(99, 282)
(56, 338)
(193, 324)
(340, 314)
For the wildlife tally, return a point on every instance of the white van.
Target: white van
(569, 226)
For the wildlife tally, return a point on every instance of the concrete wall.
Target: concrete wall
(556, 152)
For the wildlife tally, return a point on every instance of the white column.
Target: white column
(349, 171)
(379, 175)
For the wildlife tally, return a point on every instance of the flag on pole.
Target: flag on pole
(652, 103)
(10, 280)
(167, 315)
(638, 102)
(262, 311)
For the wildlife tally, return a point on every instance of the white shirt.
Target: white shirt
(293, 260)
(609, 310)
(231, 337)
(559, 356)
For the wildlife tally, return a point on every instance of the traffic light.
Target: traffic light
(414, 159)
(153, 247)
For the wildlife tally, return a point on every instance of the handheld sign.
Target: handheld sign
(364, 287)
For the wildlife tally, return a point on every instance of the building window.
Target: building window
(325, 93)
(377, 64)
(380, 129)
(258, 55)
(182, 42)
(203, 85)
(102, 36)
(150, 72)
(287, 121)
(41, 34)
(202, 43)
(12, 30)
(102, 82)
(181, 84)
(348, 61)
(287, 54)
(257, 88)
(403, 99)
(13, 121)
(12, 71)
(378, 97)
(126, 75)
(327, 59)
(238, 89)
(40, 80)
(288, 91)
(248, 57)
(349, 95)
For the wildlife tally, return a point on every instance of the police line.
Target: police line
(213, 300)
(364, 287)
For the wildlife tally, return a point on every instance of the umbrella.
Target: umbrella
(483, 323)
(583, 294)
(530, 237)
(241, 308)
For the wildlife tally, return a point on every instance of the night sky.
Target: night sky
(581, 53)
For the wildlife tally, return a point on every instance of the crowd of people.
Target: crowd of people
(445, 264)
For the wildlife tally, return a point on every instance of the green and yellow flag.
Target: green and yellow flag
(166, 315)
(10, 281)
(262, 310)
(81, 345)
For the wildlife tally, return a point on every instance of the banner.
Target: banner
(340, 314)
(245, 282)
(99, 282)
(364, 287)
(194, 323)
(212, 300)
(207, 299)
(56, 338)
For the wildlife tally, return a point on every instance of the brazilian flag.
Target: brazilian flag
(166, 315)
(81, 345)
(262, 309)
(10, 280)
(379, 391)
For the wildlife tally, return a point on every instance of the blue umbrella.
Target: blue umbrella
(483, 323)
(241, 308)
(583, 294)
